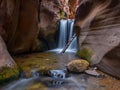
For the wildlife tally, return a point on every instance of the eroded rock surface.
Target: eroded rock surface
(99, 24)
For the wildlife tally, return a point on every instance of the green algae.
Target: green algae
(8, 74)
(85, 54)
(42, 62)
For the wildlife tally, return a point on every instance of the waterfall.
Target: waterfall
(62, 33)
(65, 34)
(73, 45)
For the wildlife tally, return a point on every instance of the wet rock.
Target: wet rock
(58, 74)
(93, 72)
(34, 73)
(77, 66)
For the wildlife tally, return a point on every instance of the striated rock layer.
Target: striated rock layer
(98, 26)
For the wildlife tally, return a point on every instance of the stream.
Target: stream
(72, 82)
(54, 82)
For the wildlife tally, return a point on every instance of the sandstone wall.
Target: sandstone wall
(98, 25)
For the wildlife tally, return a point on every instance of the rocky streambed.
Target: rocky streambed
(35, 76)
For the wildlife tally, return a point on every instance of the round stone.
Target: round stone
(77, 66)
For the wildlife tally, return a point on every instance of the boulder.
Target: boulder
(77, 66)
(98, 26)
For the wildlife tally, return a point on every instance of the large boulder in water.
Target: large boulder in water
(98, 26)
(77, 66)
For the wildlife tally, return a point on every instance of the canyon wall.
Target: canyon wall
(49, 20)
(98, 26)
(30, 25)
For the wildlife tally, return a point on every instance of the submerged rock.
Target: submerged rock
(77, 66)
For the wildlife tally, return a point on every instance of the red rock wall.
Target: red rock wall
(49, 17)
(98, 25)
(31, 25)
(25, 36)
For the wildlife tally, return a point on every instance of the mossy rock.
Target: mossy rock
(77, 66)
(85, 54)
(8, 74)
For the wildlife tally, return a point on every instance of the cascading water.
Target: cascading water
(62, 34)
(65, 34)
(73, 45)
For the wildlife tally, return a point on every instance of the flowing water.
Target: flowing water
(58, 79)
(65, 34)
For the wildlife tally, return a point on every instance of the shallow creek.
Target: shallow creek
(32, 80)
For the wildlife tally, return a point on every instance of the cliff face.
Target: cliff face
(73, 5)
(98, 25)
(19, 24)
(27, 26)
(24, 36)
(6, 13)
(49, 16)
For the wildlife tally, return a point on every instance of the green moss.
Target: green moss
(8, 74)
(85, 54)
(62, 15)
